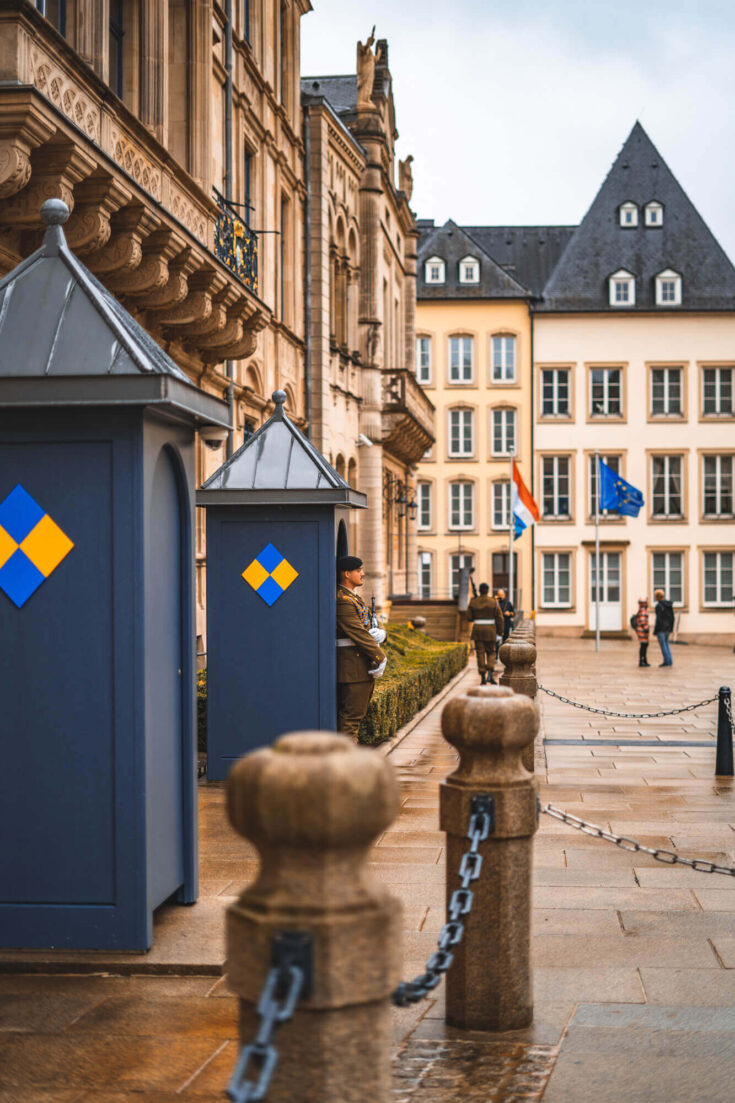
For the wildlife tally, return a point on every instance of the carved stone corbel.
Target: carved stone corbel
(152, 274)
(97, 200)
(177, 287)
(55, 170)
(240, 349)
(212, 347)
(22, 129)
(124, 250)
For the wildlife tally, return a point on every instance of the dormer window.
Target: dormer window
(622, 288)
(434, 270)
(668, 288)
(469, 270)
(654, 213)
(628, 215)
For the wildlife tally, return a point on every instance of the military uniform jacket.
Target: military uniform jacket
(357, 651)
(485, 608)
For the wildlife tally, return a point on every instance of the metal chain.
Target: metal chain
(629, 715)
(728, 710)
(277, 1003)
(668, 857)
(460, 905)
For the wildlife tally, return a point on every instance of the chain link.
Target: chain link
(460, 906)
(277, 1003)
(630, 715)
(728, 709)
(668, 857)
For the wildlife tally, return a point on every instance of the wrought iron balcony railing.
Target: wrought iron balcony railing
(235, 244)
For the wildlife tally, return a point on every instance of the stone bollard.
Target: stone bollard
(518, 656)
(489, 983)
(312, 804)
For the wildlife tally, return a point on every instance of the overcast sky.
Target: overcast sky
(514, 110)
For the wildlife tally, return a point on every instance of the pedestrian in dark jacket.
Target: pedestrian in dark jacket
(642, 631)
(663, 626)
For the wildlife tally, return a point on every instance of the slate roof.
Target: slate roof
(340, 91)
(530, 253)
(452, 243)
(56, 319)
(600, 246)
(277, 457)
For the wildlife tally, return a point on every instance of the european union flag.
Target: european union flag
(616, 494)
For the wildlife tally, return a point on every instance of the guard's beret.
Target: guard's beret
(348, 563)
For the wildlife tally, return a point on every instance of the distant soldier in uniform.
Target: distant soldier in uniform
(487, 621)
(359, 657)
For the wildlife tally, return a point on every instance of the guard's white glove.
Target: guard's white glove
(378, 634)
(379, 670)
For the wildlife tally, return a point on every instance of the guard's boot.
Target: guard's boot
(482, 677)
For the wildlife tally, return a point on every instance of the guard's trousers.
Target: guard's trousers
(485, 652)
(353, 699)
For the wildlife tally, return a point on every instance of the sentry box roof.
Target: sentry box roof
(278, 465)
(66, 341)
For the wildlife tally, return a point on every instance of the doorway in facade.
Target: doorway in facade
(611, 598)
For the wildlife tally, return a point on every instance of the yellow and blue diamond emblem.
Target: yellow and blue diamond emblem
(270, 574)
(31, 546)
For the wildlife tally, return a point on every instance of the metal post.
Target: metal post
(489, 984)
(723, 761)
(511, 534)
(597, 550)
(313, 879)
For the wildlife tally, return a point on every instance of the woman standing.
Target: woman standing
(642, 631)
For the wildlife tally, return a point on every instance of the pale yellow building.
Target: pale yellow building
(473, 359)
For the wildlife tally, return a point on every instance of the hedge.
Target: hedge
(418, 667)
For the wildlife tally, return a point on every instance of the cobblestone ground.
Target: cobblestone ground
(634, 962)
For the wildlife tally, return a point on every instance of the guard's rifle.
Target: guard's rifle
(472, 582)
(373, 614)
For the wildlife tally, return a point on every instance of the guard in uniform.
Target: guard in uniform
(487, 622)
(359, 657)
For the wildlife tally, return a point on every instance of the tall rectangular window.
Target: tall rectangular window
(423, 359)
(284, 52)
(555, 488)
(667, 574)
(718, 486)
(606, 392)
(666, 392)
(718, 578)
(504, 359)
(668, 496)
(461, 359)
(555, 392)
(284, 253)
(611, 461)
(247, 180)
(461, 432)
(717, 392)
(461, 505)
(503, 432)
(556, 575)
(425, 572)
(423, 494)
(246, 20)
(55, 12)
(116, 34)
(456, 563)
(501, 505)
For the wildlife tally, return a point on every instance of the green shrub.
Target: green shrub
(418, 667)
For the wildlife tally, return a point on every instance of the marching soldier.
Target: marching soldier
(487, 621)
(359, 657)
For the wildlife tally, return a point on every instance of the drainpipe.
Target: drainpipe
(533, 461)
(307, 275)
(229, 365)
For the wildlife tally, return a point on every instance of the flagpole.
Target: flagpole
(597, 549)
(511, 533)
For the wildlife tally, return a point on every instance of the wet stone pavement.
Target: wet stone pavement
(634, 962)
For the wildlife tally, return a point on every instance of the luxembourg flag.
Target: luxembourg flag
(525, 510)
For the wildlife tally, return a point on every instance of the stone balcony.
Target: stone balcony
(408, 416)
(139, 221)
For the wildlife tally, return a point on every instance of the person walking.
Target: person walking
(663, 625)
(642, 631)
(487, 624)
(506, 607)
(359, 657)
